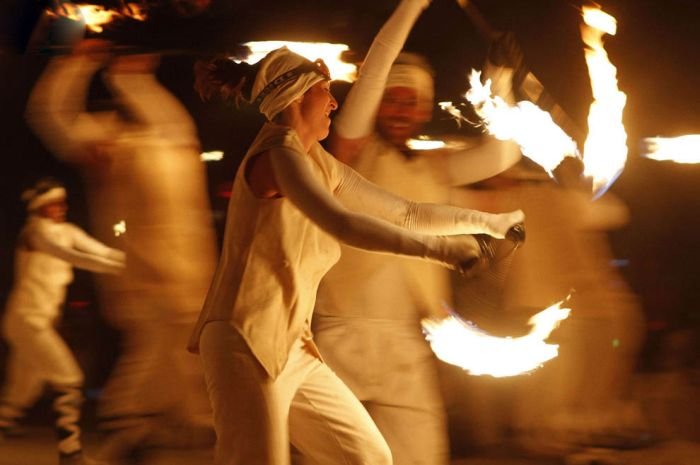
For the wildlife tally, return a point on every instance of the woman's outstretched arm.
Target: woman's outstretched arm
(297, 181)
(357, 193)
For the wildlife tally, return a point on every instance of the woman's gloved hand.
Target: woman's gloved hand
(461, 252)
(494, 224)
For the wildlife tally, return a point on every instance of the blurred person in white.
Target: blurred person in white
(583, 397)
(47, 250)
(367, 318)
(140, 162)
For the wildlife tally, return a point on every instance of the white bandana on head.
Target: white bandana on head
(413, 77)
(36, 200)
(283, 77)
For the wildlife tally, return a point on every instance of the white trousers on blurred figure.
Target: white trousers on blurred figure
(256, 416)
(390, 367)
(40, 357)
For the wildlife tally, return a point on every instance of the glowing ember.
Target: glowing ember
(425, 143)
(119, 228)
(682, 149)
(96, 16)
(329, 53)
(462, 344)
(214, 155)
(532, 128)
(605, 149)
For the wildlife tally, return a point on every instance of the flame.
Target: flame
(605, 149)
(532, 128)
(329, 53)
(425, 143)
(95, 16)
(134, 11)
(682, 149)
(539, 138)
(460, 343)
(598, 19)
(453, 111)
(214, 155)
(119, 228)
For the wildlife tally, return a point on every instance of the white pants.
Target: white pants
(39, 356)
(389, 366)
(256, 416)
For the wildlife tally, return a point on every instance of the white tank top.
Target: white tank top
(272, 260)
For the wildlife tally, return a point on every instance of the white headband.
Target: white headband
(54, 194)
(413, 77)
(283, 77)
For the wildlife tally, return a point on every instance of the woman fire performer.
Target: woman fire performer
(291, 204)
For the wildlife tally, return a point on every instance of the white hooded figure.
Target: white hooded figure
(141, 166)
(48, 248)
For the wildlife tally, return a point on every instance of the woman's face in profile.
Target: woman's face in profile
(316, 108)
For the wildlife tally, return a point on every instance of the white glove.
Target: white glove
(494, 224)
(461, 252)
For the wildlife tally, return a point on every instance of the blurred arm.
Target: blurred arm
(151, 103)
(42, 240)
(86, 243)
(56, 108)
(355, 122)
(607, 213)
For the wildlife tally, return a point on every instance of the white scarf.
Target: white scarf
(283, 77)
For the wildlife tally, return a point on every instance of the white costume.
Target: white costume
(258, 314)
(46, 253)
(146, 172)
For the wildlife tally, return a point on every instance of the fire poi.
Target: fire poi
(461, 343)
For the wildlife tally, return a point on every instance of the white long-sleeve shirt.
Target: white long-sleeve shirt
(45, 256)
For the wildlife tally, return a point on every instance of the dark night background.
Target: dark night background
(655, 51)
